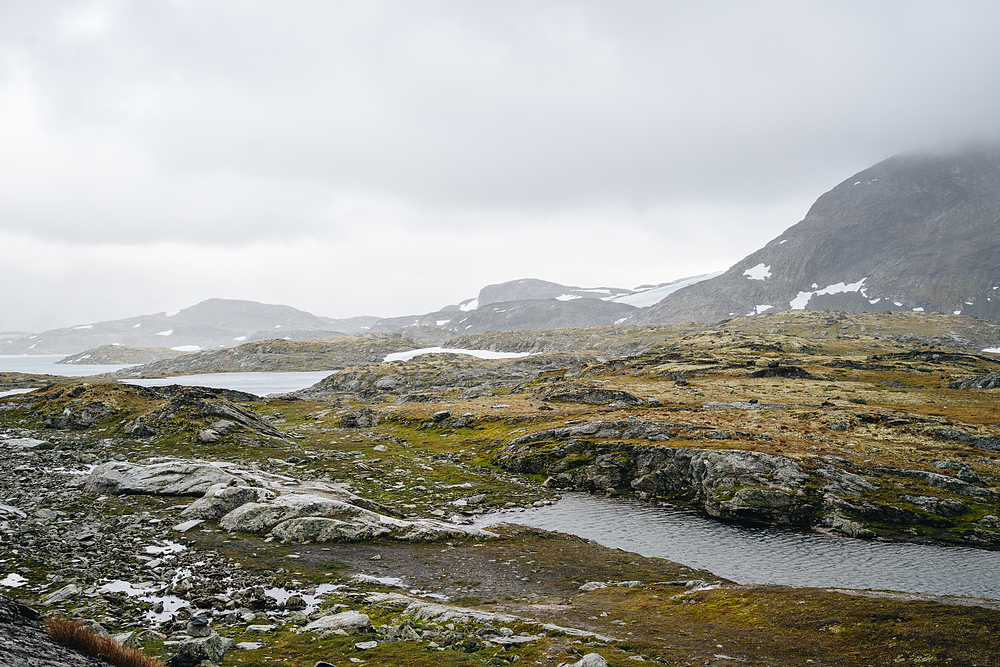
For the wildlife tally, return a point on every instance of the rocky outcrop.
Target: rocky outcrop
(592, 396)
(278, 354)
(988, 381)
(120, 354)
(731, 484)
(175, 478)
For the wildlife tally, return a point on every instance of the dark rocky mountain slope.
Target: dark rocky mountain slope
(912, 232)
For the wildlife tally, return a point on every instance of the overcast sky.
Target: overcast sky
(390, 158)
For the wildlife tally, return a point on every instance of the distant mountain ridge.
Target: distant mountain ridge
(530, 304)
(911, 233)
(914, 232)
(211, 323)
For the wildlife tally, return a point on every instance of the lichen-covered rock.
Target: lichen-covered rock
(838, 523)
(591, 660)
(192, 652)
(320, 529)
(23, 643)
(175, 478)
(989, 381)
(939, 506)
(347, 622)
(137, 428)
(221, 499)
(845, 483)
(259, 517)
(78, 417)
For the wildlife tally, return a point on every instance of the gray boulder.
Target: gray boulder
(320, 529)
(137, 428)
(591, 660)
(346, 622)
(221, 499)
(192, 652)
(174, 478)
(259, 517)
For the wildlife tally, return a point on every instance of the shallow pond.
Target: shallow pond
(766, 555)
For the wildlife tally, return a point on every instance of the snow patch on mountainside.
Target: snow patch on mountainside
(647, 297)
(803, 298)
(759, 272)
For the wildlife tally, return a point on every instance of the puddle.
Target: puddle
(148, 593)
(385, 581)
(312, 601)
(167, 548)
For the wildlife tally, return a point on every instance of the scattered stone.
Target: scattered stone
(294, 602)
(188, 525)
(363, 418)
(65, 593)
(209, 435)
(137, 428)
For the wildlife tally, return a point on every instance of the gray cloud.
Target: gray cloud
(223, 123)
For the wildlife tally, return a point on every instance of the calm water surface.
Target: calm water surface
(45, 364)
(260, 384)
(767, 555)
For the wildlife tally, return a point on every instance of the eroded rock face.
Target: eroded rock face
(176, 478)
(734, 485)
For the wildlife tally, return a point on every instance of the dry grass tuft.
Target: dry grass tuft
(77, 636)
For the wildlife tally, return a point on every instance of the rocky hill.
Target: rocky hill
(914, 232)
(279, 355)
(211, 323)
(530, 304)
(120, 354)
